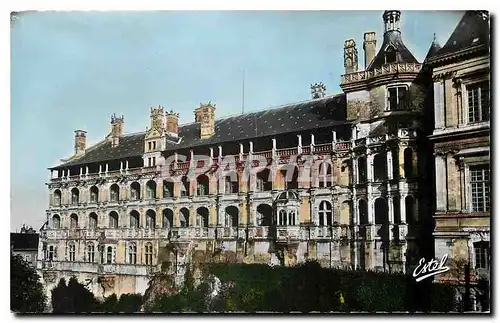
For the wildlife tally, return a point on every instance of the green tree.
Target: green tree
(26, 291)
(73, 298)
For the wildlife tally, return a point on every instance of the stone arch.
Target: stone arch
(150, 219)
(184, 217)
(168, 218)
(264, 215)
(202, 217)
(231, 218)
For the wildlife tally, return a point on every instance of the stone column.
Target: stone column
(402, 206)
(355, 171)
(440, 165)
(389, 164)
(369, 167)
(390, 205)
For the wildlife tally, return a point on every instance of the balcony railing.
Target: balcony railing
(383, 70)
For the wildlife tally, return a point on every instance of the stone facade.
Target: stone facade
(349, 192)
(461, 142)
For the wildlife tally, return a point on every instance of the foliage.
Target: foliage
(309, 287)
(26, 290)
(73, 298)
(127, 303)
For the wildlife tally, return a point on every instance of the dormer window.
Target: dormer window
(390, 55)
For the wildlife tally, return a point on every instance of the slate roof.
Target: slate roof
(318, 113)
(24, 241)
(392, 38)
(472, 30)
(435, 47)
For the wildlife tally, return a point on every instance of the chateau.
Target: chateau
(345, 179)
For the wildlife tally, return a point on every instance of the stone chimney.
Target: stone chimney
(205, 116)
(80, 142)
(318, 90)
(172, 119)
(369, 46)
(157, 118)
(116, 130)
(350, 56)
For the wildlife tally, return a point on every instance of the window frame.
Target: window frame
(486, 196)
(465, 100)
(406, 98)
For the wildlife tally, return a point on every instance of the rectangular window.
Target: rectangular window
(397, 98)
(149, 145)
(154, 161)
(481, 249)
(149, 161)
(478, 101)
(480, 185)
(154, 144)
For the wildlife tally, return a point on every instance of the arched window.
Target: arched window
(52, 253)
(134, 219)
(264, 181)
(380, 167)
(57, 198)
(56, 222)
(408, 162)
(363, 212)
(113, 220)
(168, 189)
(71, 251)
(362, 170)
(114, 193)
(132, 253)
(90, 252)
(325, 175)
(264, 215)
(202, 185)
(411, 217)
(231, 183)
(325, 213)
(92, 221)
(151, 189)
(150, 219)
(168, 218)
(135, 191)
(73, 221)
(390, 55)
(291, 217)
(148, 248)
(381, 211)
(231, 218)
(94, 194)
(109, 255)
(185, 186)
(184, 217)
(290, 178)
(282, 217)
(202, 217)
(396, 206)
(75, 196)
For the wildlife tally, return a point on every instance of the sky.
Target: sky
(72, 70)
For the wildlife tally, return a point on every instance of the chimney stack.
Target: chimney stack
(318, 90)
(350, 56)
(80, 142)
(369, 46)
(172, 123)
(157, 118)
(205, 116)
(116, 130)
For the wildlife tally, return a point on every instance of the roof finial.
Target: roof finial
(434, 38)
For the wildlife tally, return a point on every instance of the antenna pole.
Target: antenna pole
(243, 92)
